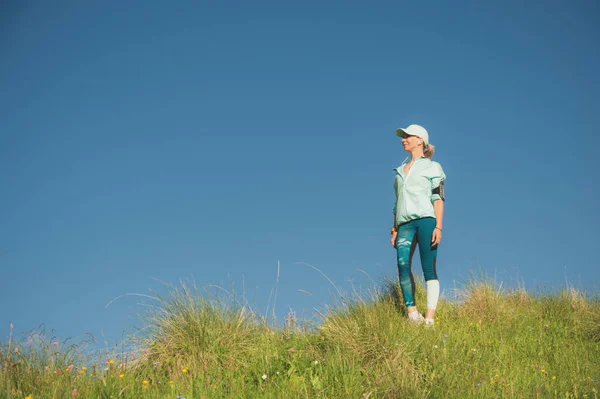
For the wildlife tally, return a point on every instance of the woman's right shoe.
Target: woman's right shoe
(416, 318)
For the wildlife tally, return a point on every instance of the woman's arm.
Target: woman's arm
(438, 210)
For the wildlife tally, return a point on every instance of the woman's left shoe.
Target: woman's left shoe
(429, 322)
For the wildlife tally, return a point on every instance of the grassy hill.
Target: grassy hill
(487, 343)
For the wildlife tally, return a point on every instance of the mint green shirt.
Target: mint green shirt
(415, 191)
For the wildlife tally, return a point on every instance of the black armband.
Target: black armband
(440, 191)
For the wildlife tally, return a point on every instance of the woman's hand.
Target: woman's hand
(393, 239)
(436, 237)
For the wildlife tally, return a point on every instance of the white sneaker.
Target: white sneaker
(416, 318)
(429, 322)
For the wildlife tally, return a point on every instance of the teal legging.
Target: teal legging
(410, 234)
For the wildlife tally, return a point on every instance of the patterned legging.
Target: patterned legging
(410, 234)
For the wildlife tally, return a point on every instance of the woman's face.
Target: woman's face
(410, 142)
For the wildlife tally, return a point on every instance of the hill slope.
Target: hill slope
(487, 343)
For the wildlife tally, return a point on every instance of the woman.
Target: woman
(418, 213)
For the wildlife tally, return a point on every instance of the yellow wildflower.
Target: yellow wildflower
(121, 375)
(110, 361)
(145, 382)
(553, 377)
(184, 370)
(28, 397)
(170, 382)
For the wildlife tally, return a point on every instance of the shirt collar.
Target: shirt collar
(406, 160)
(399, 168)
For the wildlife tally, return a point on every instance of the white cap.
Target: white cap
(414, 130)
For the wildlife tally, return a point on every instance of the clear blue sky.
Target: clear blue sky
(170, 140)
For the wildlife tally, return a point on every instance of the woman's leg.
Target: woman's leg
(428, 263)
(405, 247)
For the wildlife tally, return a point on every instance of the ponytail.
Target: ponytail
(429, 150)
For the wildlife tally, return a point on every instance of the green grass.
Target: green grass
(487, 343)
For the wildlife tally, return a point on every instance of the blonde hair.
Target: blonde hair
(429, 150)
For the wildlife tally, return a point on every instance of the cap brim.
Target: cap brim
(400, 132)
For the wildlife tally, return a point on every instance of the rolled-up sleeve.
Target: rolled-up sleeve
(437, 184)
